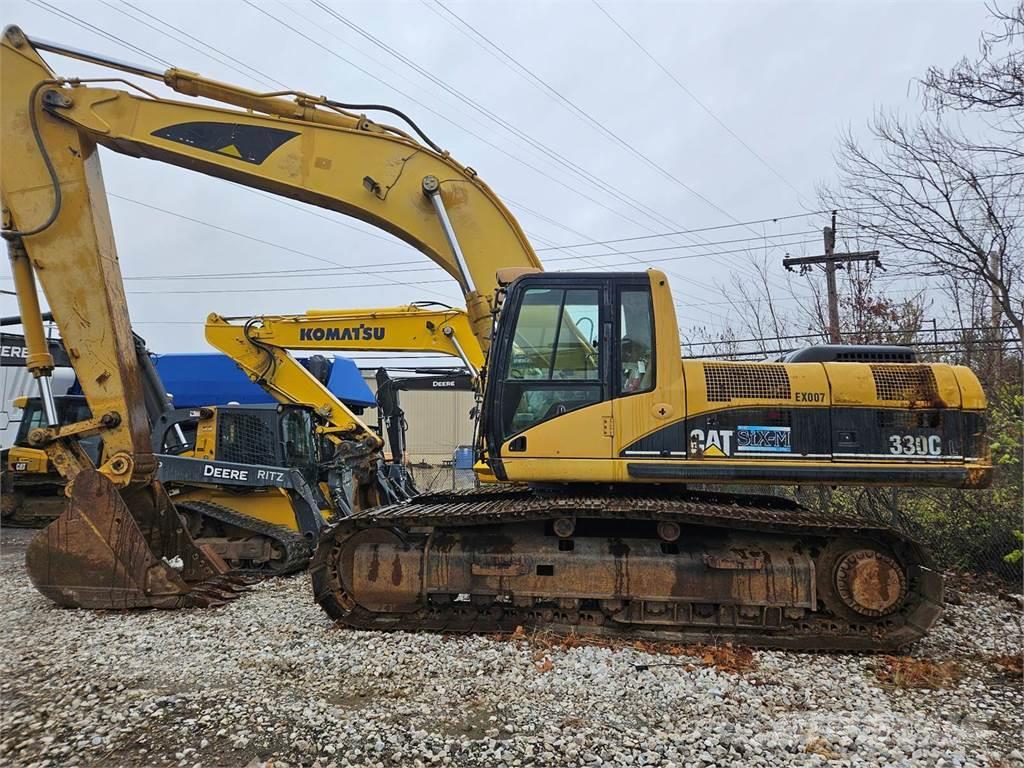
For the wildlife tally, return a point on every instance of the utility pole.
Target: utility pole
(831, 261)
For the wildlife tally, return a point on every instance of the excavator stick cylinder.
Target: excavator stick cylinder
(118, 550)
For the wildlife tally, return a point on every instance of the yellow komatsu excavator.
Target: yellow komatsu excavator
(593, 431)
(260, 346)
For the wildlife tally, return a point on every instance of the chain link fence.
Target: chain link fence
(441, 478)
(975, 531)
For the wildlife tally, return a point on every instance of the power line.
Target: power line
(82, 22)
(586, 175)
(751, 222)
(67, 16)
(556, 259)
(341, 269)
(554, 155)
(278, 246)
(732, 241)
(442, 116)
(179, 41)
(706, 254)
(697, 101)
(388, 265)
(922, 331)
(264, 78)
(377, 269)
(279, 289)
(262, 75)
(571, 105)
(614, 251)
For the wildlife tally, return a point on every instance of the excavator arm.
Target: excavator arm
(292, 144)
(260, 347)
(57, 226)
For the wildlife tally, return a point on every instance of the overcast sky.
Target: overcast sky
(740, 125)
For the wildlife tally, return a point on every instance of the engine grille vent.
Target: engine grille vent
(727, 382)
(914, 383)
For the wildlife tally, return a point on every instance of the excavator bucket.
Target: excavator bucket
(118, 550)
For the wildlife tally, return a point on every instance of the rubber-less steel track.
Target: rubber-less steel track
(295, 548)
(824, 541)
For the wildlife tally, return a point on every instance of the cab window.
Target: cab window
(297, 431)
(555, 365)
(556, 336)
(636, 341)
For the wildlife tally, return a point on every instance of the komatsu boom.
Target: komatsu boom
(593, 431)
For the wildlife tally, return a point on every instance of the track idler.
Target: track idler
(118, 550)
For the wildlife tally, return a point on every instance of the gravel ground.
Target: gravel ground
(268, 680)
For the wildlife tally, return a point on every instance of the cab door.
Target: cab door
(549, 396)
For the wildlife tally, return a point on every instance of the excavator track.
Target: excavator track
(293, 548)
(656, 564)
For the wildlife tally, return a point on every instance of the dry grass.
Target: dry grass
(908, 672)
(1011, 664)
(821, 747)
(724, 658)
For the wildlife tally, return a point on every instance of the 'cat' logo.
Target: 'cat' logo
(714, 442)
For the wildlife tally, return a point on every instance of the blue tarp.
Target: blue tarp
(214, 379)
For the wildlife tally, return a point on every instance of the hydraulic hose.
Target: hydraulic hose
(10, 234)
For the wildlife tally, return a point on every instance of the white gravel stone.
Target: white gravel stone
(267, 681)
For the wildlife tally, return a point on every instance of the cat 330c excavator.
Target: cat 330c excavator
(592, 430)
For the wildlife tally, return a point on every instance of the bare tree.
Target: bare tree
(993, 82)
(938, 205)
(940, 201)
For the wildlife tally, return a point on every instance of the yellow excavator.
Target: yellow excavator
(260, 346)
(594, 434)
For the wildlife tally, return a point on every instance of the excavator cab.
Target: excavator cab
(566, 348)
